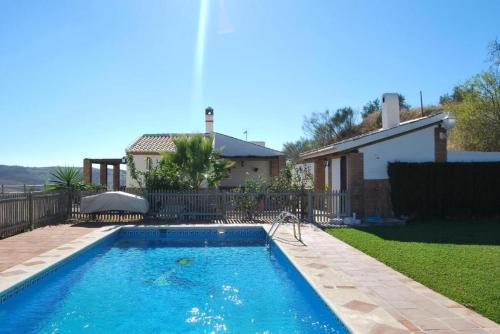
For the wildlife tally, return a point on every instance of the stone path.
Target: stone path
(336, 266)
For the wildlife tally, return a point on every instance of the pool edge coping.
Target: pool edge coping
(343, 314)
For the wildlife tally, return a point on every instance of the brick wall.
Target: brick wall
(87, 171)
(355, 181)
(377, 198)
(277, 165)
(274, 168)
(440, 143)
(103, 174)
(329, 176)
(319, 175)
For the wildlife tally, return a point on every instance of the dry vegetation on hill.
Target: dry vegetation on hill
(373, 121)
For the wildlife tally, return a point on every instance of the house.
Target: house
(252, 159)
(359, 164)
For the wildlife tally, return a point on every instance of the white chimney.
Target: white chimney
(209, 120)
(390, 110)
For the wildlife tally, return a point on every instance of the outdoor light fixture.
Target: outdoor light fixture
(449, 121)
(326, 163)
(124, 160)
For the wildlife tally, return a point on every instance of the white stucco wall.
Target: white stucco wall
(140, 165)
(239, 174)
(335, 174)
(416, 146)
(473, 156)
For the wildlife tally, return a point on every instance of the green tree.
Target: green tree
(458, 95)
(293, 149)
(403, 104)
(165, 176)
(197, 160)
(478, 114)
(218, 170)
(292, 179)
(370, 107)
(133, 172)
(194, 161)
(494, 53)
(327, 127)
(249, 196)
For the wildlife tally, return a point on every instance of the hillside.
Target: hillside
(16, 175)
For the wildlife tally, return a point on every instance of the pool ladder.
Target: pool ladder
(283, 218)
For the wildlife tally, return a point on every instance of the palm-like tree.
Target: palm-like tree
(66, 178)
(197, 160)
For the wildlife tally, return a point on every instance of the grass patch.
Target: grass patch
(460, 260)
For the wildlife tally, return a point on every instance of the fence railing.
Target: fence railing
(20, 188)
(20, 212)
(222, 205)
(329, 206)
(318, 207)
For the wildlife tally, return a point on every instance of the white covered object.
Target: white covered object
(114, 201)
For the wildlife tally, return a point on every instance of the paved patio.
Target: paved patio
(336, 267)
(22, 247)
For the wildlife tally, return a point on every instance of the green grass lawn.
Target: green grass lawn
(457, 259)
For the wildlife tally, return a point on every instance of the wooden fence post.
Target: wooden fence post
(224, 206)
(30, 211)
(69, 206)
(310, 214)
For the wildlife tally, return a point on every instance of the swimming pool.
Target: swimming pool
(172, 280)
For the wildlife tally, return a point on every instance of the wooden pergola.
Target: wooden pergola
(103, 171)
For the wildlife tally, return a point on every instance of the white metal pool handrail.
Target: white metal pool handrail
(282, 218)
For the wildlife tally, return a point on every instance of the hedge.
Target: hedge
(447, 189)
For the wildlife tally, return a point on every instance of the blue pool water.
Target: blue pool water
(175, 283)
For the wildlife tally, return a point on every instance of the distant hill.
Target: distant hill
(17, 175)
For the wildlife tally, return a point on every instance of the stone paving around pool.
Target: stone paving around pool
(369, 296)
(22, 247)
(22, 274)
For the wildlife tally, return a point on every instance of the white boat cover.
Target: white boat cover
(114, 201)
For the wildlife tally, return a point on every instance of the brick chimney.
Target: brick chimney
(390, 110)
(209, 120)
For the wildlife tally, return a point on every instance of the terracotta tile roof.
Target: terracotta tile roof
(152, 143)
(231, 147)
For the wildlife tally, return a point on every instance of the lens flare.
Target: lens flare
(199, 57)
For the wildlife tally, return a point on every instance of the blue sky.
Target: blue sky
(85, 78)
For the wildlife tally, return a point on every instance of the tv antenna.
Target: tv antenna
(421, 105)
(245, 132)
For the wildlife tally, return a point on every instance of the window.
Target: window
(149, 163)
